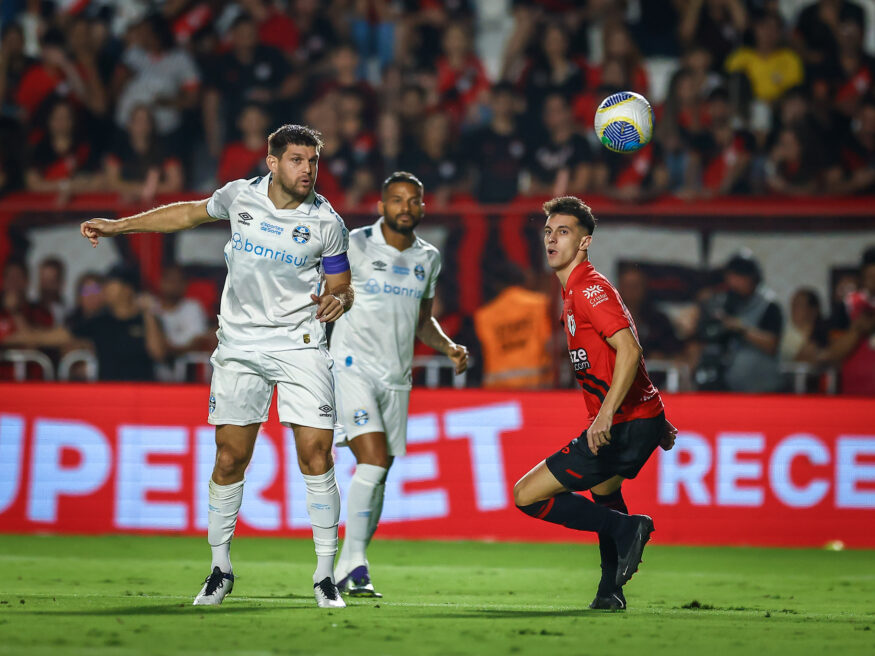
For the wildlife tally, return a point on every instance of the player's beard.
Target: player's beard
(392, 222)
(292, 191)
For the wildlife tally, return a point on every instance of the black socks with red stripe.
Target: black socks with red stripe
(576, 512)
(607, 545)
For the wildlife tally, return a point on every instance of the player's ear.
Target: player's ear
(381, 209)
(272, 163)
(584, 243)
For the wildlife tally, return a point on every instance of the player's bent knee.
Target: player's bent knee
(521, 493)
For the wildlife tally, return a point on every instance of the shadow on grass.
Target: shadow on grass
(493, 614)
(165, 609)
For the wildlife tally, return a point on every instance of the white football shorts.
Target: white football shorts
(366, 406)
(243, 383)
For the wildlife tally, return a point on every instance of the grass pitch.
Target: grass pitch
(131, 595)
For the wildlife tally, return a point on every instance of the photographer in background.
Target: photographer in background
(738, 333)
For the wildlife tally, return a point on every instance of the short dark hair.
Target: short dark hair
(402, 176)
(55, 263)
(289, 134)
(572, 206)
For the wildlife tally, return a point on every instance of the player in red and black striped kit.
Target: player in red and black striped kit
(626, 417)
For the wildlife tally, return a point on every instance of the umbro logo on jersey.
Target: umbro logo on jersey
(378, 265)
(245, 218)
(419, 272)
(326, 410)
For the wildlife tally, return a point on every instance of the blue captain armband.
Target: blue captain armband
(335, 263)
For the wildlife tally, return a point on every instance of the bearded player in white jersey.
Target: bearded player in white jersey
(394, 274)
(286, 241)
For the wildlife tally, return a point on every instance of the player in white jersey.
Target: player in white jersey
(394, 274)
(286, 240)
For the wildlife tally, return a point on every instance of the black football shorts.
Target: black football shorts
(632, 442)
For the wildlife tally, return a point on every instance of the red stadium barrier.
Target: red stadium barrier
(768, 470)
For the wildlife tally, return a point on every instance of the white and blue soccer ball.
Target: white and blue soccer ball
(624, 122)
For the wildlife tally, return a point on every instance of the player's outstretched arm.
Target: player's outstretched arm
(337, 299)
(430, 333)
(167, 218)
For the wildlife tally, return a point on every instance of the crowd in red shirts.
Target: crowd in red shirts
(145, 98)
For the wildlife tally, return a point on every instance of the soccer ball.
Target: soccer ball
(624, 122)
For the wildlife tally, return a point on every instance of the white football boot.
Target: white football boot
(327, 595)
(216, 587)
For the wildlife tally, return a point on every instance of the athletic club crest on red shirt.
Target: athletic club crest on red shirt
(571, 325)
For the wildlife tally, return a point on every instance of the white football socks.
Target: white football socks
(323, 506)
(224, 505)
(364, 502)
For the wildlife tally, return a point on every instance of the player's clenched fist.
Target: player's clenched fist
(459, 355)
(94, 228)
(328, 307)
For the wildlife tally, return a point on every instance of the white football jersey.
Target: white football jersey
(274, 262)
(376, 336)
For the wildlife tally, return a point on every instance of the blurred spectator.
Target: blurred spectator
(818, 32)
(343, 75)
(50, 288)
(156, 73)
(856, 173)
(770, 68)
(553, 70)
(497, 150)
(422, 26)
(53, 76)
(462, 81)
(138, 167)
(738, 333)
(412, 112)
(85, 51)
(373, 30)
(13, 65)
(721, 157)
(62, 161)
(246, 158)
(435, 160)
(248, 73)
(806, 334)
(316, 32)
(855, 72)
(387, 156)
(791, 167)
(620, 48)
(716, 25)
(854, 349)
(89, 298)
(183, 320)
(275, 28)
(125, 335)
(656, 334)
(17, 313)
(514, 330)
(561, 159)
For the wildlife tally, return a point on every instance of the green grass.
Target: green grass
(125, 595)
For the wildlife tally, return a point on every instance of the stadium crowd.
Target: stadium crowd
(149, 98)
